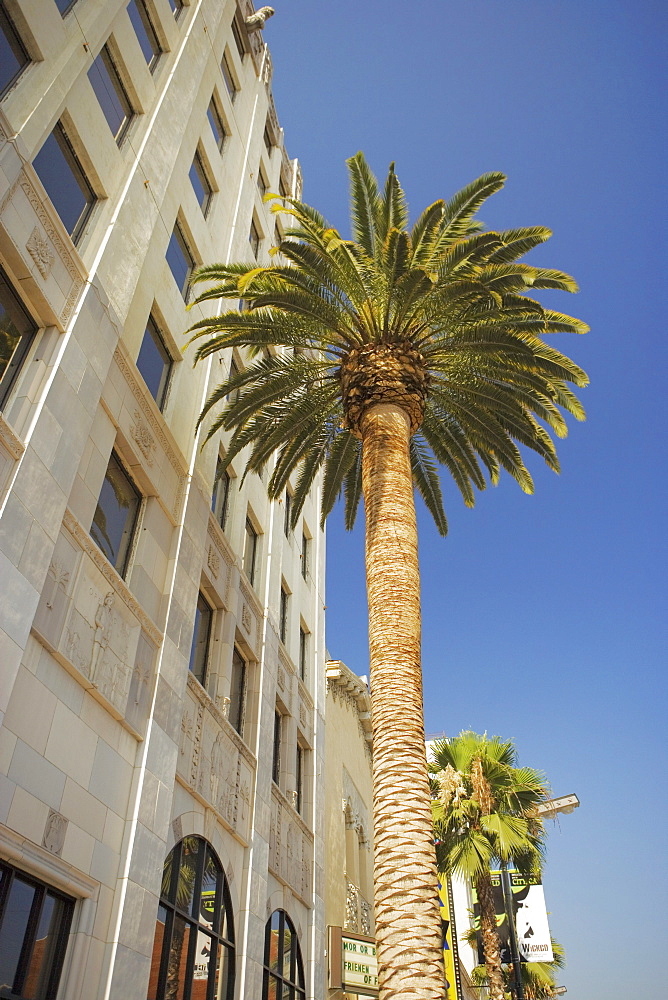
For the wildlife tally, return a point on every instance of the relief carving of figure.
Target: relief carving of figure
(103, 623)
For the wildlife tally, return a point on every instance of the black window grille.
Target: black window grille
(35, 921)
(283, 966)
(193, 947)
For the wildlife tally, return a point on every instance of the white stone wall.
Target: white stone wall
(110, 750)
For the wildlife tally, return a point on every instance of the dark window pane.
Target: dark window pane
(200, 648)
(145, 32)
(222, 973)
(305, 555)
(13, 56)
(181, 261)
(239, 42)
(221, 495)
(268, 143)
(276, 757)
(177, 966)
(287, 513)
(200, 183)
(65, 5)
(216, 123)
(283, 622)
(254, 238)
(154, 362)
(191, 848)
(237, 691)
(62, 175)
(177, 7)
(111, 94)
(158, 940)
(116, 515)
(16, 333)
(14, 928)
(303, 648)
(250, 550)
(299, 777)
(228, 78)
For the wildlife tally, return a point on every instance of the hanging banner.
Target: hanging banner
(528, 908)
(449, 942)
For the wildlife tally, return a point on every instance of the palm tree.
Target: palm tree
(484, 813)
(403, 348)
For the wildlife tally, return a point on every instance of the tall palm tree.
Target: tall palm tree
(403, 348)
(484, 813)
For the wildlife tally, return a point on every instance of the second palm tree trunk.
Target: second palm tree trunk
(408, 925)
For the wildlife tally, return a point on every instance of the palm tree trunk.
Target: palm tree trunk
(408, 924)
(490, 938)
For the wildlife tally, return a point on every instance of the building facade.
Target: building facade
(348, 814)
(162, 687)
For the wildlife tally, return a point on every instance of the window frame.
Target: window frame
(237, 707)
(16, 44)
(305, 555)
(228, 77)
(64, 143)
(222, 917)
(153, 330)
(294, 985)
(109, 63)
(251, 535)
(221, 510)
(283, 614)
(214, 115)
(199, 166)
(184, 246)
(238, 38)
(303, 651)
(177, 7)
(254, 237)
(121, 560)
(277, 746)
(54, 961)
(151, 33)
(27, 337)
(287, 514)
(194, 666)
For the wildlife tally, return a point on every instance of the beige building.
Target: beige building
(162, 689)
(348, 807)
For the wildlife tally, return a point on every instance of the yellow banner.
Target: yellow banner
(448, 951)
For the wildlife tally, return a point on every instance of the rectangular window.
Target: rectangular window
(115, 517)
(177, 7)
(145, 32)
(216, 123)
(154, 362)
(268, 141)
(220, 497)
(230, 82)
(305, 554)
(111, 94)
(283, 615)
(199, 651)
(232, 397)
(13, 55)
(181, 261)
(276, 756)
(303, 652)
(35, 922)
(299, 778)
(238, 39)
(250, 551)
(17, 332)
(200, 182)
(238, 692)
(262, 183)
(65, 5)
(287, 514)
(254, 238)
(62, 175)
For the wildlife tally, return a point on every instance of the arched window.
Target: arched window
(283, 968)
(193, 949)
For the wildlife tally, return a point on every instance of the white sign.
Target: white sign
(359, 964)
(533, 932)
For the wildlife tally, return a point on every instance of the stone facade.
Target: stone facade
(111, 750)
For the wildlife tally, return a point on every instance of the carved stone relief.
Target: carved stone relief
(40, 250)
(290, 854)
(143, 437)
(54, 832)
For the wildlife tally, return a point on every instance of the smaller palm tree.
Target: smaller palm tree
(484, 811)
(539, 979)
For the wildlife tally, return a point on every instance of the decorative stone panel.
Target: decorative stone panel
(249, 615)
(215, 763)
(31, 225)
(290, 847)
(96, 628)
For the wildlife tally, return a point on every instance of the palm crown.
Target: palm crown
(435, 318)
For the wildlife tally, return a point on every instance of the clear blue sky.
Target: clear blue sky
(544, 617)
